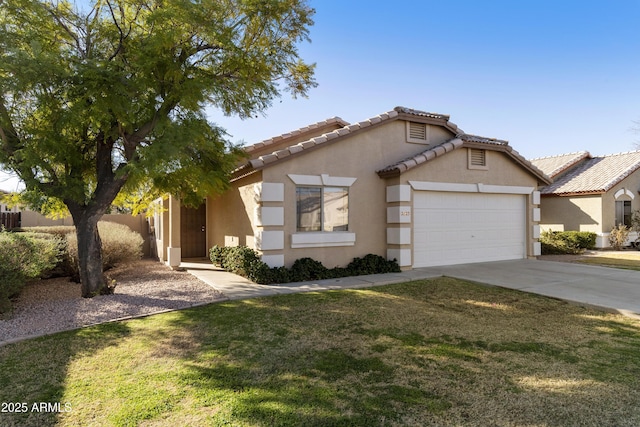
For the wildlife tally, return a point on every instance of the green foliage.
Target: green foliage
(119, 245)
(24, 256)
(136, 77)
(304, 269)
(566, 242)
(217, 255)
(372, 264)
(108, 102)
(246, 262)
(618, 236)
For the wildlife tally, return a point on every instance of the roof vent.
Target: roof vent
(417, 133)
(477, 158)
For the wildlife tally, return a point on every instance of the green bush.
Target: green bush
(217, 254)
(246, 262)
(566, 242)
(241, 260)
(119, 245)
(24, 256)
(372, 264)
(304, 269)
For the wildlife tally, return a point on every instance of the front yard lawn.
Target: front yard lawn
(434, 352)
(630, 260)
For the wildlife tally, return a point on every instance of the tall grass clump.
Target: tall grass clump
(119, 245)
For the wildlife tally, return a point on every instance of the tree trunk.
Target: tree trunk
(89, 256)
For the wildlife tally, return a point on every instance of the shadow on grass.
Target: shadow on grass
(439, 352)
(33, 372)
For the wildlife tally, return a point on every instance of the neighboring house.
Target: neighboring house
(405, 184)
(590, 193)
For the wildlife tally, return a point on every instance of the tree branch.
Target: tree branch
(8, 134)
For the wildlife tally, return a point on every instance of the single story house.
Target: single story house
(590, 193)
(406, 184)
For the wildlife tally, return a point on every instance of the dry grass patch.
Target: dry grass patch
(433, 352)
(627, 260)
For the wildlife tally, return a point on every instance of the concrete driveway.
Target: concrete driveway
(608, 288)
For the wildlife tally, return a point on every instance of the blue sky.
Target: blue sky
(550, 77)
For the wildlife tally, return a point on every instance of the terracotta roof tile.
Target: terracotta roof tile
(484, 140)
(337, 120)
(421, 113)
(555, 165)
(422, 157)
(347, 129)
(596, 175)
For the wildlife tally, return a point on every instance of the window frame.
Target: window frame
(622, 215)
(322, 209)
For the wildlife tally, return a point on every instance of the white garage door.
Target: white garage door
(458, 228)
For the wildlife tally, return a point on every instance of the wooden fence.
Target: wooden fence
(10, 220)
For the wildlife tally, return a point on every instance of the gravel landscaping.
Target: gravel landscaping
(144, 287)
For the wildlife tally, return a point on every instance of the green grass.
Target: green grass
(433, 352)
(626, 261)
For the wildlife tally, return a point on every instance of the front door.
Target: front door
(193, 236)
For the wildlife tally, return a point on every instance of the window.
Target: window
(322, 208)
(623, 212)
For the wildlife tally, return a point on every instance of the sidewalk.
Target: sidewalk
(236, 287)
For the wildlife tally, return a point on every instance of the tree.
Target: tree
(110, 99)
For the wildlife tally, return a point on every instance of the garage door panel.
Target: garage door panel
(454, 228)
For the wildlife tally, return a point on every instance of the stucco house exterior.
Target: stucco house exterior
(406, 184)
(590, 193)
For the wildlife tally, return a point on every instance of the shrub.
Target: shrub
(304, 269)
(246, 262)
(217, 255)
(372, 264)
(618, 236)
(241, 260)
(566, 242)
(24, 256)
(119, 245)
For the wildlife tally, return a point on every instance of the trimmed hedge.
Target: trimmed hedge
(566, 242)
(246, 262)
(24, 256)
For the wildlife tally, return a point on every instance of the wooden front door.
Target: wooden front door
(193, 231)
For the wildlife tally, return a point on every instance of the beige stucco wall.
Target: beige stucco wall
(632, 184)
(360, 157)
(357, 157)
(501, 171)
(232, 220)
(576, 213)
(230, 216)
(595, 213)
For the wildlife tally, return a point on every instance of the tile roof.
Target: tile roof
(459, 141)
(595, 175)
(413, 112)
(277, 139)
(425, 156)
(262, 161)
(555, 165)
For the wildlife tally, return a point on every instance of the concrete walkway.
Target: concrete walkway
(236, 287)
(606, 288)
